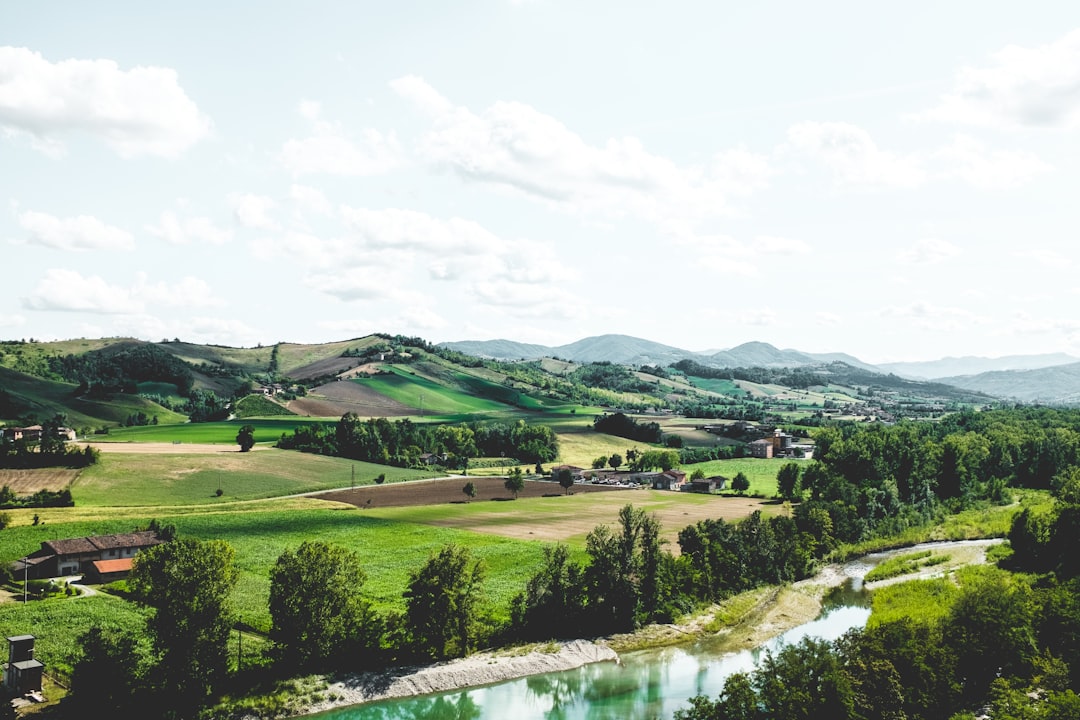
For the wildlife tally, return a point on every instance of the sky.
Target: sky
(898, 182)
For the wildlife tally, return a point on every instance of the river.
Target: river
(643, 685)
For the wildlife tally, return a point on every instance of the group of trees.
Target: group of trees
(402, 443)
(1009, 644)
(119, 368)
(624, 426)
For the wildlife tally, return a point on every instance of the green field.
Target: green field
(761, 472)
(406, 387)
(267, 430)
(152, 480)
(45, 398)
(253, 406)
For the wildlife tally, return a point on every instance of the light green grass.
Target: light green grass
(132, 480)
(57, 622)
(761, 472)
(254, 406)
(391, 550)
(408, 388)
(905, 565)
(924, 601)
(266, 430)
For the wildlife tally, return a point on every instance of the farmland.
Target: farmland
(27, 482)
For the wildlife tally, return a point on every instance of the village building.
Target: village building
(669, 480)
(76, 556)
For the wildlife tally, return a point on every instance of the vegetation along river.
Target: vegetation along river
(644, 684)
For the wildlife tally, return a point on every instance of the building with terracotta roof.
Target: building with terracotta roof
(75, 556)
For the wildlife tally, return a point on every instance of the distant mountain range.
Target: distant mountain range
(627, 350)
(1050, 378)
(951, 367)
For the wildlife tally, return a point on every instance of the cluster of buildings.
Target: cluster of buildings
(780, 445)
(664, 480)
(32, 433)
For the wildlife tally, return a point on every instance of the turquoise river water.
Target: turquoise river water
(642, 686)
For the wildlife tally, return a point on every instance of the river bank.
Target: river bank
(759, 617)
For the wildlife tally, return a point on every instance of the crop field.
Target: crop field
(339, 397)
(551, 516)
(28, 482)
(410, 389)
(266, 430)
(167, 479)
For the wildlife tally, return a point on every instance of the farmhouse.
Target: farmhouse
(575, 471)
(76, 556)
(669, 480)
(706, 485)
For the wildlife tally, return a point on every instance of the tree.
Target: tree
(600, 462)
(554, 598)
(469, 490)
(246, 438)
(740, 483)
(787, 481)
(109, 675)
(615, 461)
(442, 603)
(188, 583)
(316, 609)
(566, 479)
(515, 482)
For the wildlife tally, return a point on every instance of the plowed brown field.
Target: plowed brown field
(337, 398)
(28, 482)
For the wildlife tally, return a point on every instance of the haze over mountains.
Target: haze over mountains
(1050, 378)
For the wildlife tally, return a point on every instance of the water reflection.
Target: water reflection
(645, 685)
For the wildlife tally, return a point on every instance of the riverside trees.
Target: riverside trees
(318, 613)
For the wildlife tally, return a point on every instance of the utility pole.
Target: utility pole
(352, 485)
(25, 582)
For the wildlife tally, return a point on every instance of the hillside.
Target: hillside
(952, 367)
(1058, 385)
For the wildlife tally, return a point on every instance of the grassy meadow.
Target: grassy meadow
(267, 430)
(169, 479)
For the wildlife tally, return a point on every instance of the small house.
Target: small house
(669, 480)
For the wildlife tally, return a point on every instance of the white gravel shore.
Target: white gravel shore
(480, 669)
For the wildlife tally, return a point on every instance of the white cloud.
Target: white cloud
(198, 329)
(412, 230)
(928, 316)
(356, 283)
(141, 111)
(328, 150)
(65, 290)
(253, 211)
(928, 251)
(1020, 87)
(828, 319)
(853, 156)
(514, 146)
(970, 161)
(188, 292)
(309, 199)
(1044, 256)
(762, 317)
(8, 321)
(68, 291)
(192, 229)
(83, 232)
(725, 254)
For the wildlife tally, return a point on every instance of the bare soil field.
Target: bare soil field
(161, 448)
(337, 398)
(546, 513)
(322, 368)
(28, 482)
(448, 490)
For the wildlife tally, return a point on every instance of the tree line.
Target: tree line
(402, 443)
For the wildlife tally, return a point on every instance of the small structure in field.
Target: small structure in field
(22, 673)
